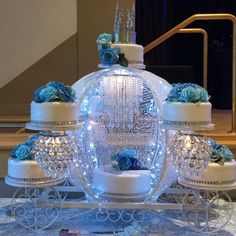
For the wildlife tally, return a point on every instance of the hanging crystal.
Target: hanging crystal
(190, 152)
(56, 153)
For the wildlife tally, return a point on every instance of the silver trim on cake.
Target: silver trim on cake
(207, 185)
(32, 182)
(132, 197)
(53, 125)
(187, 125)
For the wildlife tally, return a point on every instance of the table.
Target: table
(161, 223)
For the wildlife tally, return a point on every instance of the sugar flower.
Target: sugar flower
(187, 92)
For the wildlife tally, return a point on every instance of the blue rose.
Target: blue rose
(124, 163)
(135, 164)
(104, 39)
(109, 56)
(213, 143)
(56, 85)
(204, 95)
(190, 94)
(66, 94)
(49, 94)
(32, 139)
(226, 153)
(187, 92)
(217, 157)
(13, 152)
(128, 153)
(23, 152)
(37, 97)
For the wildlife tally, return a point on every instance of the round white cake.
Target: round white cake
(49, 114)
(187, 112)
(133, 184)
(28, 173)
(215, 177)
(133, 53)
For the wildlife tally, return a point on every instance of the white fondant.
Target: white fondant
(190, 112)
(54, 111)
(26, 169)
(133, 52)
(128, 182)
(216, 173)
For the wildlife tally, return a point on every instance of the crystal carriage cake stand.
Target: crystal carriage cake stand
(205, 210)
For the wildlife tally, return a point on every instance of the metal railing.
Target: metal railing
(204, 17)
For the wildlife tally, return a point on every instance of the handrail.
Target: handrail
(205, 49)
(191, 19)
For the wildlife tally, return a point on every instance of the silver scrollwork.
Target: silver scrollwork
(35, 208)
(207, 212)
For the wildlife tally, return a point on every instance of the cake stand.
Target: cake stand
(206, 207)
(31, 192)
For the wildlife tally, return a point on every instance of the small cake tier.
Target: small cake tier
(187, 116)
(133, 53)
(190, 112)
(215, 177)
(129, 185)
(28, 173)
(53, 114)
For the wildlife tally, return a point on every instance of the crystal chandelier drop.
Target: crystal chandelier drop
(190, 152)
(56, 152)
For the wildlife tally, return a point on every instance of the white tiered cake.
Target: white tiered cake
(27, 173)
(131, 185)
(133, 53)
(187, 104)
(187, 112)
(216, 177)
(54, 107)
(24, 171)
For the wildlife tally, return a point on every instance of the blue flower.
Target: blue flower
(217, 157)
(187, 92)
(213, 143)
(109, 56)
(126, 160)
(13, 152)
(124, 163)
(190, 94)
(204, 96)
(23, 152)
(225, 152)
(128, 153)
(56, 85)
(135, 164)
(32, 139)
(104, 39)
(220, 153)
(55, 92)
(49, 94)
(37, 97)
(66, 94)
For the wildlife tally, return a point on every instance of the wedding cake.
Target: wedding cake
(53, 106)
(220, 174)
(126, 179)
(187, 104)
(24, 171)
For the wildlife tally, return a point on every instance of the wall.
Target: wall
(38, 43)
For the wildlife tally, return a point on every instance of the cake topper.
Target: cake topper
(124, 30)
(118, 21)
